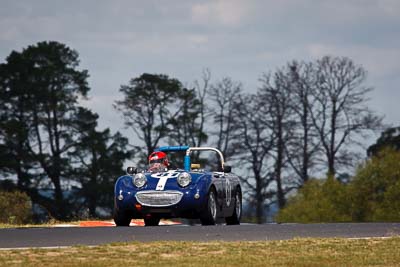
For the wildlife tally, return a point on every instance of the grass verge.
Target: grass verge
(295, 252)
(51, 223)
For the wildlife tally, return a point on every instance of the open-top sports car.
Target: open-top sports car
(190, 191)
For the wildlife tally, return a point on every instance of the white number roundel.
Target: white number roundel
(228, 191)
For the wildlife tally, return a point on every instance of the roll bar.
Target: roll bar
(189, 150)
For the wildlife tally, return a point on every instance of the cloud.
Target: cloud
(223, 12)
(238, 38)
(198, 39)
(390, 7)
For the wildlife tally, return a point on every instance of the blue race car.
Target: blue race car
(190, 192)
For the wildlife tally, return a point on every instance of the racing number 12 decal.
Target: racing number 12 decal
(228, 191)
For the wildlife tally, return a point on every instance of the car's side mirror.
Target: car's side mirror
(227, 169)
(131, 170)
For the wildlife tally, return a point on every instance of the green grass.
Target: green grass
(296, 252)
(51, 223)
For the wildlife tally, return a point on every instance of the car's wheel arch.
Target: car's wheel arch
(213, 187)
(206, 214)
(204, 184)
(238, 188)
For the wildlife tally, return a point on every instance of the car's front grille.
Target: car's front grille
(158, 198)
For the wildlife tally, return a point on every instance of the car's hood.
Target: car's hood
(167, 180)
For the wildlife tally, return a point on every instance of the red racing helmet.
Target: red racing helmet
(158, 157)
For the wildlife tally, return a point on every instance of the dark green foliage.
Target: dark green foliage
(318, 201)
(149, 106)
(15, 207)
(158, 108)
(40, 87)
(389, 138)
(98, 157)
(372, 195)
(375, 189)
(47, 140)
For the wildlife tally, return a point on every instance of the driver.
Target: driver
(158, 162)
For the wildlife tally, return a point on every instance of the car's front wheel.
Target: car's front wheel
(121, 218)
(152, 221)
(237, 211)
(209, 215)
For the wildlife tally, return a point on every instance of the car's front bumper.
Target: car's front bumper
(185, 203)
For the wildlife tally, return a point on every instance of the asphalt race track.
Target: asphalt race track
(68, 236)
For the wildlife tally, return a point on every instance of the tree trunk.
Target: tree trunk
(306, 159)
(259, 201)
(331, 153)
(279, 166)
(92, 196)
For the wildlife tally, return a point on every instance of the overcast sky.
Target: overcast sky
(121, 39)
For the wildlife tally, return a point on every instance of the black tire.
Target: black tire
(237, 210)
(153, 221)
(209, 215)
(121, 218)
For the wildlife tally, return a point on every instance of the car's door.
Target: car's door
(227, 185)
(219, 182)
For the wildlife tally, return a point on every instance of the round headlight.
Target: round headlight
(139, 180)
(184, 179)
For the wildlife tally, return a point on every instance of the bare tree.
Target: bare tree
(342, 114)
(253, 141)
(276, 94)
(202, 89)
(186, 127)
(304, 145)
(224, 96)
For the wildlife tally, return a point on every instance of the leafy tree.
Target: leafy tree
(375, 189)
(15, 119)
(15, 207)
(41, 86)
(151, 103)
(373, 194)
(318, 201)
(390, 138)
(98, 160)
